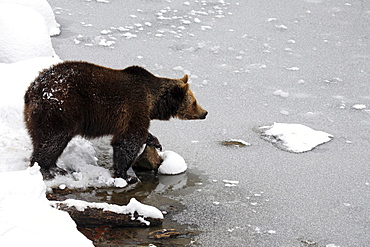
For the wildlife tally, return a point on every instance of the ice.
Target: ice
(295, 138)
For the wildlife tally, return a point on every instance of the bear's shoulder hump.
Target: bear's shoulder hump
(137, 70)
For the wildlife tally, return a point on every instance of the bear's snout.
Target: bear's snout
(200, 113)
(203, 116)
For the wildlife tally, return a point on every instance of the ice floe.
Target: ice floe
(295, 138)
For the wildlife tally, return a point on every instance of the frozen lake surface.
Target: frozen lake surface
(251, 64)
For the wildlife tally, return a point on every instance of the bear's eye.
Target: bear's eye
(195, 103)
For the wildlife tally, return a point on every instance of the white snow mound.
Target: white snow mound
(24, 34)
(27, 219)
(172, 163)
(295, 137)
(43, 7)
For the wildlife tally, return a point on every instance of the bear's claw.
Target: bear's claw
(49, 174)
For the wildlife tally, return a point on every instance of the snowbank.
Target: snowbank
(24, 34)
(26, 218)
(42, 7)
(295, 138)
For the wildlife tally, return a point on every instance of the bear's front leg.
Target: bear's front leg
(153, 141)
(125, 152)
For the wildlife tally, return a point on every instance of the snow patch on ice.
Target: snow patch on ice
(230, 183)
(359, 106)
(281, 93)
(295, 138)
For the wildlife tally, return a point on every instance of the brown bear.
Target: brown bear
(79, 98)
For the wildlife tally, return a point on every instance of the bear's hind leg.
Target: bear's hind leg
(46, 151)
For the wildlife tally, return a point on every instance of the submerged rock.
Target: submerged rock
(164, 233)
(235, 143)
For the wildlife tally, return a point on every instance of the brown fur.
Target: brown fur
(80, 98)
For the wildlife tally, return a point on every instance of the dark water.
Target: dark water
(159, 191)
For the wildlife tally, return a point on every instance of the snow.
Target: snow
(359, 106)
(24, 34)
(42, 7)
(27, 219)
(132, 207)
(172, 163)
(281, 93)
(230, 183)
(296, 138)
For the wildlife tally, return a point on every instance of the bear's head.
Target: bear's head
(190, 109)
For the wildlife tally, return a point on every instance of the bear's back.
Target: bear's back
(87, 81)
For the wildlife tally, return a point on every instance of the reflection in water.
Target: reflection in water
(174, 182)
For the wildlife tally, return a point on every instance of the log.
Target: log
(87, 214)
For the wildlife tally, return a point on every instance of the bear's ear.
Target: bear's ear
(185, 87)
(185, 78)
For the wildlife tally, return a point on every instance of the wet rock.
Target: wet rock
(149, 160)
